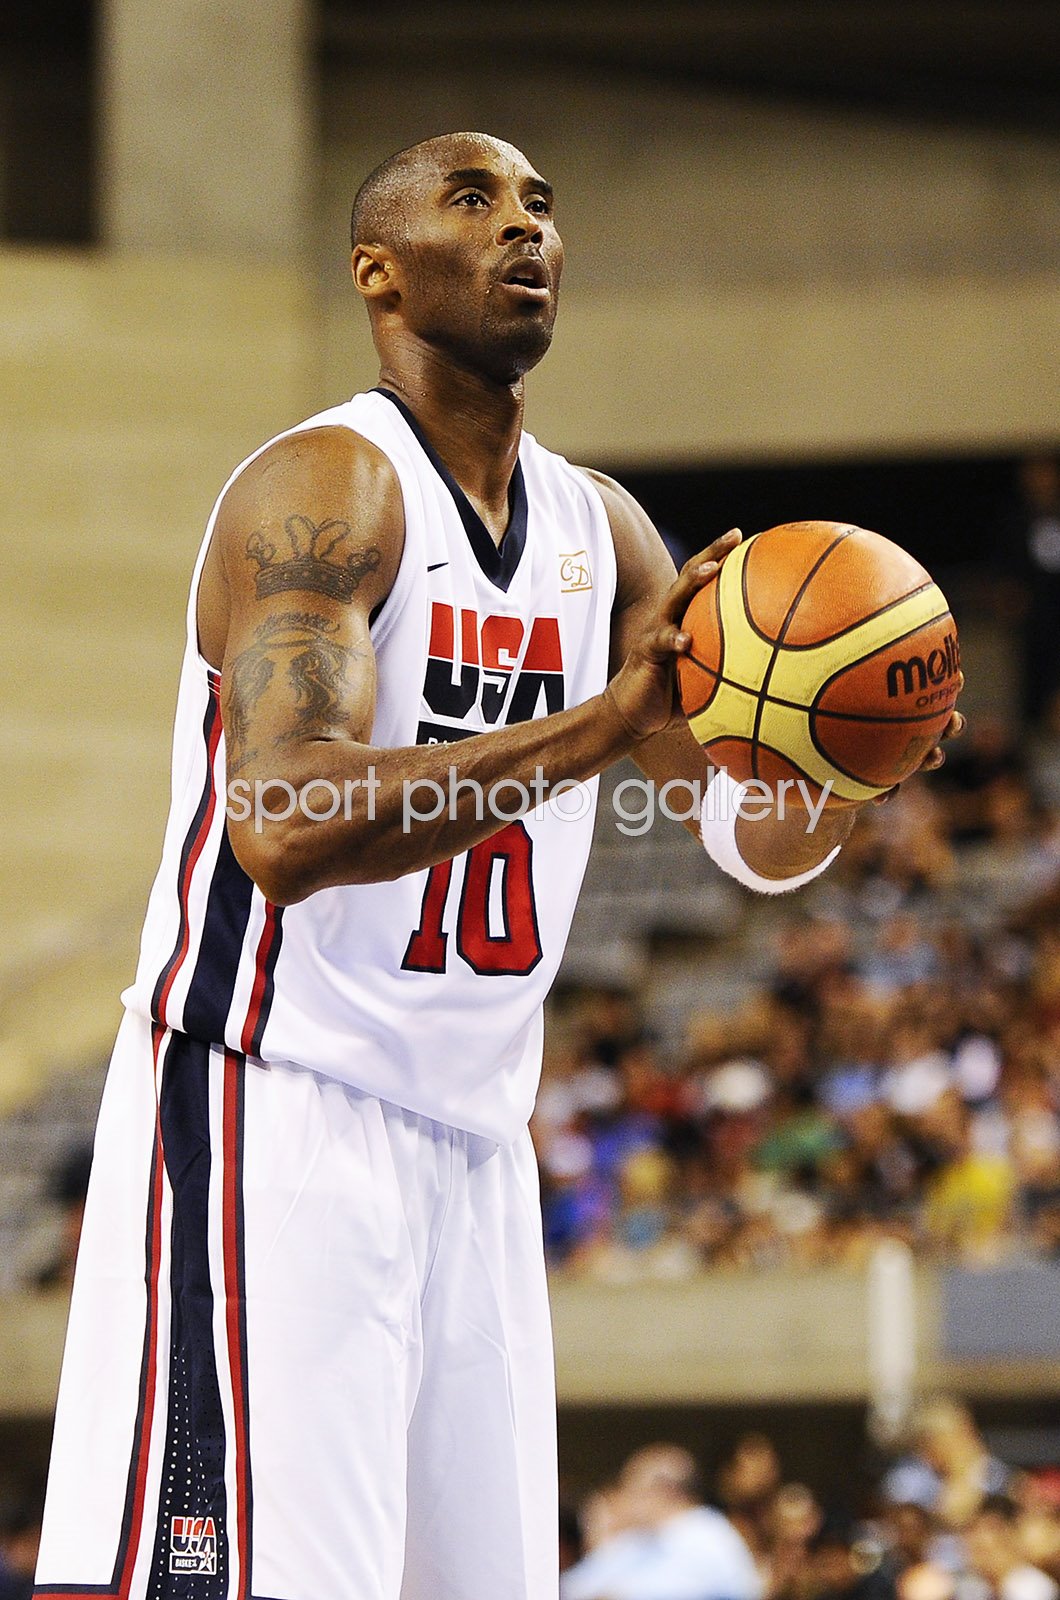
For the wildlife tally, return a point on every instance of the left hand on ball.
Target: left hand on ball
(934, 758)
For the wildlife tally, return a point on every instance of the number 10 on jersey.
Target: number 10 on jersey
(497, 870)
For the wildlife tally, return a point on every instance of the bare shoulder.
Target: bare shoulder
(318, 474)
(625, 513)
(318, 511)
(644, 564)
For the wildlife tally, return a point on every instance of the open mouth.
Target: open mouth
(528, 278)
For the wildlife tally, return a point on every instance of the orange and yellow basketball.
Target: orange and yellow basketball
(822, 652)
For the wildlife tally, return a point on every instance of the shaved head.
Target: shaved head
(455, 246)
(386, 200)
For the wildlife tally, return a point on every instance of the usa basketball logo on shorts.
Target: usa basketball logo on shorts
(193, 1546)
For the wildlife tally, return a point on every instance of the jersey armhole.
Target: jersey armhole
(595, 500)
(385, 614)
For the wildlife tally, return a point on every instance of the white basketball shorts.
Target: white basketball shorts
(309, 1354)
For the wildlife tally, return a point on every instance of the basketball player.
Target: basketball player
(309, 1353)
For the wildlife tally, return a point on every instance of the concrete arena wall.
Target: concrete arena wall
(724, 1338)
(745, 280)
(129, 390)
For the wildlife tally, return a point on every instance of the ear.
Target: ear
(374, 271)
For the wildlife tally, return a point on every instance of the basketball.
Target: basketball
(820, 652)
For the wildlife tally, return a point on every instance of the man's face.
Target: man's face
(481, 261)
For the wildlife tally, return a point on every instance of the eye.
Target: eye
(539, 206)
(472, 198)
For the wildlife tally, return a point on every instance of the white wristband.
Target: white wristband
(717, 829)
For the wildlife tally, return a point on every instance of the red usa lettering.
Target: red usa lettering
(493, 664)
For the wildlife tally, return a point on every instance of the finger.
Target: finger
(721, 547)
(696, 572)
(931, 763)
(669, 641)
(956, 726)
(692, 578)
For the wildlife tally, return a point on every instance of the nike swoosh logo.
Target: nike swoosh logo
(435, 565)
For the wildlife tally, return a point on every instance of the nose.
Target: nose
(520, 224)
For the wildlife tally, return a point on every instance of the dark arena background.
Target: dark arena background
(800, 1161)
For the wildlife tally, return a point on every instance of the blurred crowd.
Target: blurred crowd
(894, 1072)
(946, 1521)
(894, 1068)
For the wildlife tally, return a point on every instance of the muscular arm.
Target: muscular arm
(307, 545)
(772, 848)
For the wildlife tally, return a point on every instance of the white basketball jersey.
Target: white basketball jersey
(427, 991)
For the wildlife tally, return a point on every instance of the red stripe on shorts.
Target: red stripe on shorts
(264, 957)
(143, 1443)
(232, 1212)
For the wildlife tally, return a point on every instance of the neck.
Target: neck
(472, 421)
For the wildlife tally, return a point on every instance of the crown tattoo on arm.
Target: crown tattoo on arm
(313, 563)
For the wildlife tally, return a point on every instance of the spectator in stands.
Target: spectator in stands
(794, 1518)
(1032, 544)
(969, 1200)
(748, 1481)
(990, 757)
(950, 1471)
(997, 1566)
(908, 1532)
(845, 1564)
(665, 1544)
(606, 1021)
(1038, 1495)
(1017, 860)
(20, 1520)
